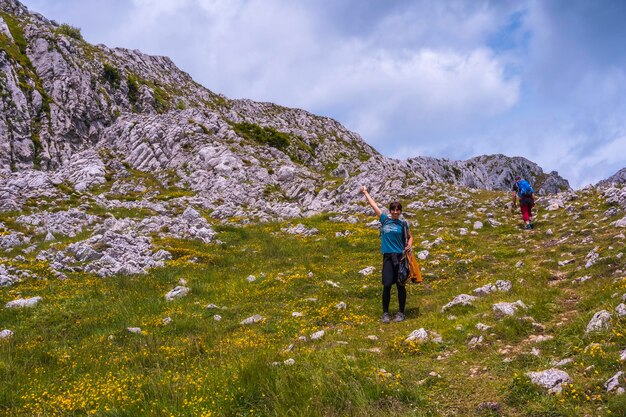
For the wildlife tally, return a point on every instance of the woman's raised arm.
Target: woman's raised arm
(371, 201)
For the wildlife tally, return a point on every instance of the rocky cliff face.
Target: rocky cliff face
(81, 115)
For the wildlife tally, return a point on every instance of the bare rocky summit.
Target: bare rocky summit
(81, 116)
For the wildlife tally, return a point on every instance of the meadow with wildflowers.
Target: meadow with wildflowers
(72, 355)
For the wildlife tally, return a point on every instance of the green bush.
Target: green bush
(263, 135)
(133, 89)
(111, 75)
(71, 31)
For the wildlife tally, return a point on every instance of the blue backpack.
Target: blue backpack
(524, 189)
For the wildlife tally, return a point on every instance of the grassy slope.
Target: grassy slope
(71, 355)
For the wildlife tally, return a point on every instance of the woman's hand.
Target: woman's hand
(363, 189)
(408, 248)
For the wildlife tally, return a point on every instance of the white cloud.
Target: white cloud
(412, 78)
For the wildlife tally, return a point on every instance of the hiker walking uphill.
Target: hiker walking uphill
(523, 191)
(394, 241)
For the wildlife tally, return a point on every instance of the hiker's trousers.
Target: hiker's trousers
(526, 211)
(391, 264)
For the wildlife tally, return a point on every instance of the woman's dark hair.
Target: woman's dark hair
(395, 205)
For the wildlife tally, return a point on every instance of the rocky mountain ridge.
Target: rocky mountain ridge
(85, 115)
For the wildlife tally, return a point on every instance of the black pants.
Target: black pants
(391, 262)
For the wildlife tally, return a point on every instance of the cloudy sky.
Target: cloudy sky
(545, 80)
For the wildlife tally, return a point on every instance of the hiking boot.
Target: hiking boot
(399, 317)
(528, 226)
(532, 226)
(386, 318)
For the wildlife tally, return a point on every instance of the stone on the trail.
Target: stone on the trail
(289, 362)
(551, 379)
(621, 310)
(217, 317)
(296, 314)
(23, 302)
(622, 355)
(211, 306)
(253, 319)
(167, 321)
(519, 264)
(459, 300)
(423, 254)
(251, 278)
(581, 279)
(600, 321)
(341, 306)
(566, 262)
(478, 225)
(332, 284)
(136, 330)
(178, 292)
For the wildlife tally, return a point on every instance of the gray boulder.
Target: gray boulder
(459, 300)
(507, 309)
(23, 302)
(600, 321)
(551, 379)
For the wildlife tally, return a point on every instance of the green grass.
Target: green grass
(72, 355)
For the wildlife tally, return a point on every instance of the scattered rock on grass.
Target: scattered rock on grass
(367, 270)
(23, 302)
(300, 229)
(423, 335)
(253, 319)
(488, 406)
(621, 310)
(459, 300)
(6, 334)
(551, 379)
(178, 292)
(482, 327)
(507, 309)
(600, 321)
(318, 335)
(500, 285)
(613, 382)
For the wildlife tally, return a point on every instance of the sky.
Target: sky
(542, 79)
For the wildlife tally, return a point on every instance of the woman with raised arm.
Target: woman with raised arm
(393, 245)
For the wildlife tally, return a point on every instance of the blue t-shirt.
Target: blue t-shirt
(391, 235)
